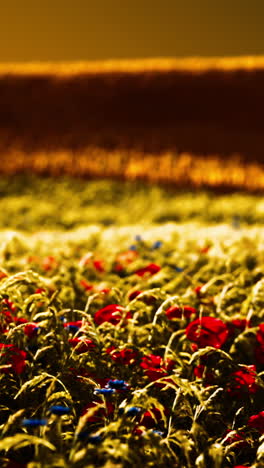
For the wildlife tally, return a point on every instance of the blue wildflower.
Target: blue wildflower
(63, 319)
(159, 433)
(117, 384)
(34, 422)
(133, 411)
(59, 410)
(179, 269)
(104, 391)
(132, 247)
(156, 245)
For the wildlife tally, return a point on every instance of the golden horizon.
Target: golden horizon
(195, 64)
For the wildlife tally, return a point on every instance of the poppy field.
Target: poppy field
(136, 340)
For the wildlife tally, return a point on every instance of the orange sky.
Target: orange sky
(71, 30)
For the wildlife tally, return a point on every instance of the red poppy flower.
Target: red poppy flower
(201, 372)
(31, 329)
(125, 357)
(198, 290)
(2, 275)
(101, 412)
(102, 288)
(49, 263)
(179, 312)
(20, 320)
(207, 331)
(111, 313)
(40, 290)
(125, 258)
(205, 249)
(150, 361)
(9, 304)
(147, 299)
(82, 345)
(235, 438)
(237, 324)
(133, 295)
(99, 265)
(77, 324)
(241, 466)
(257, 421)
(150, 269)
(5, 319)
(156, 368)
(118, 267)
(151, 418)
(87, 286)
(260, 334)
(14, 357)
(243, 380)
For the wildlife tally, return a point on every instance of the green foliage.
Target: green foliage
(189, 415)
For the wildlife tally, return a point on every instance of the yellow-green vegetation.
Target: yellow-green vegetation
(128, 339)
(30, 203)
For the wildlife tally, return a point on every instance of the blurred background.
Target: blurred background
(167, 92)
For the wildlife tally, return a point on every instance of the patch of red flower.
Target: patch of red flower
(180, 312)
(205, 249)
(150, 269)
(242, 443)
(242, 381)
(124, 357)
(76, 324)
(155, 367)
(20, 320)
(9, 304)
(14, 357)
(241, 466)
(207, 331)
(260, 334)
(31, 329)
(87, 286)
(198, 290)
(111, 313)
(6, 318)
(40, 291)
(2, 275)
(81, 345)
(257, 422)
(151, 418)
(49, 263)
(124, 259)
(237, 325)
(101, 412)
(134, 294)
(201, 372)
(99, 265)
